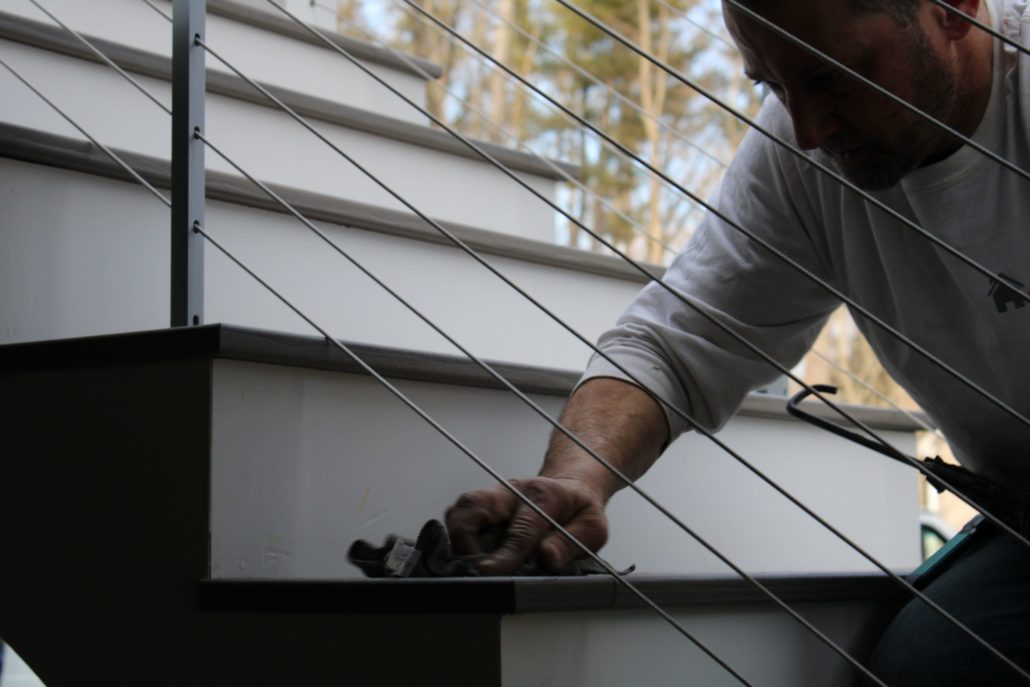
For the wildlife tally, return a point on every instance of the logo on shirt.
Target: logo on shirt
(1005, 295)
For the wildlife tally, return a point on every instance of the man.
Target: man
(936, 60)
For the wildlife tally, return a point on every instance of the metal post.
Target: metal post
(188, 86)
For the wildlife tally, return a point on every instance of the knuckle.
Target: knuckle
(468, 500)
(522, 530)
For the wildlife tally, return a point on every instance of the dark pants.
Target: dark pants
(987, 587)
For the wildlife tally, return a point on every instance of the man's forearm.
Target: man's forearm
(619, 421)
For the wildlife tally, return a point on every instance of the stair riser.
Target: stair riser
(306, 461)
(264, 55)
(273, 147)
(618, 648)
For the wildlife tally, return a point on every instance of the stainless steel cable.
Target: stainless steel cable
(822, 283)
(540, 411)
(687, 18)
(107, 151)
(102, 57)
(450, 437)
(629, 586)
(648, 236)
(563, 324)
(876, 392)
(557, 527)
(560, 428)
(586, 74)
(557, 169)
(597, 457)
(795, 151)
(157, 9)
(869, 83)
(623, 478)
(457, 443)
(632, 104)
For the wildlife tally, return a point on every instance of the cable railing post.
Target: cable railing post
(188, 86)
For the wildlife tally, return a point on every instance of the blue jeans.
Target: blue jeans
(987, 587)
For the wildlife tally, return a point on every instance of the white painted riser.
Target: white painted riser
(93, 255)
(620, 648)
(273, 147)
(306, 461)
(269, 57)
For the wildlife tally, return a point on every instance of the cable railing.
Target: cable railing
(884, 398)
(642, 112)
(403, 398)
(797, 152)
(514, 138)
(868, 83)
(629, 102)
(621, 476)
(201, 230)
(765, 244)
(887, 447)
(648, 236)
(387, 87)
(500, 378)
(632, 104)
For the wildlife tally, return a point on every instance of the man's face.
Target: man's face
(873, 141)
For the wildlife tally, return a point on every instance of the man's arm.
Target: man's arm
(619, 421)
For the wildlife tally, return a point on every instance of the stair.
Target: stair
(193, 491)
(265, 44)
(203, 484)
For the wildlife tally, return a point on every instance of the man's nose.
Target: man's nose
(813, 118)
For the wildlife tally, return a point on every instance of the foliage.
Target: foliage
(663, 121)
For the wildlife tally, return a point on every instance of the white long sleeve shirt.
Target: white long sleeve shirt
(956, 313)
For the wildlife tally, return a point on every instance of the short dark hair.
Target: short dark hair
(903, 11)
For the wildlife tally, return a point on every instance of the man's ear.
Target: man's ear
(955, 22)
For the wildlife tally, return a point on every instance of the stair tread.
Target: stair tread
(262, 346)
(504, 595)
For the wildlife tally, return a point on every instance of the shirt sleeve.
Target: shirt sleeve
(672, 340)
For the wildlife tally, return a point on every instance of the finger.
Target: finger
(474, 511)
(526, 529)
(557, 551)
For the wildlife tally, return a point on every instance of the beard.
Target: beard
(878, 165)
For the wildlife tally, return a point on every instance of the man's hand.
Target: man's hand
(619, 422)
(572, 503)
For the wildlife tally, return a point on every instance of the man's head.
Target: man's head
(915, 49)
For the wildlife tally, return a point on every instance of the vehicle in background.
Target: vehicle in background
(934, 533)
